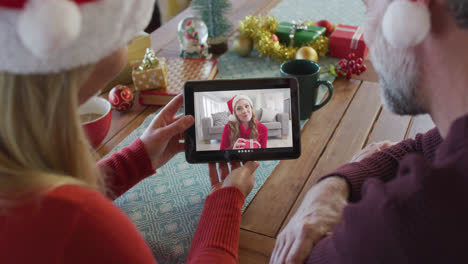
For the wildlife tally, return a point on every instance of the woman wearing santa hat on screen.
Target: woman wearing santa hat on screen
(243, 131)
(55, 201)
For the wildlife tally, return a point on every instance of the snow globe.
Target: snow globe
(193, 35)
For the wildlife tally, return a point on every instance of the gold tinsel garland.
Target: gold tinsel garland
(260, 30)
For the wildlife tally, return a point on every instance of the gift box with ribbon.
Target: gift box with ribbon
(298, 34)
(347, 39)
(251, 144)
(151, 73)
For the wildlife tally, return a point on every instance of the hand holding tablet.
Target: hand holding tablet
(240, 177)
(242, 120)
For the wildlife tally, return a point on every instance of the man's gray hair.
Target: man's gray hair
(459, 9)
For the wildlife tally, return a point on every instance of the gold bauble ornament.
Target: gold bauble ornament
(243, 45)
(307, 53)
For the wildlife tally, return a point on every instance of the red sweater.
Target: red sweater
(412, 207)
(244, 133)
(72, 224)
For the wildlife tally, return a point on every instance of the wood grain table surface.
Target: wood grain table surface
(353, 118)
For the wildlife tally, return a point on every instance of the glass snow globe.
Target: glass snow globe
(193, 35)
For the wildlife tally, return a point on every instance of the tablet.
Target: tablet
(242, 120)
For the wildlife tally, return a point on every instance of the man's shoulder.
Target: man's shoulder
(420, 190)
(423, 199)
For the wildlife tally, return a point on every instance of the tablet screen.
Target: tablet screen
(243, 120)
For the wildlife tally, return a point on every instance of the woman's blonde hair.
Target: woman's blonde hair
(42, 143)
(235, 127)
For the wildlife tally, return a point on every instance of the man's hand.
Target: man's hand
(371, 149)
(240, 177)
(316, 217)
(161, 138)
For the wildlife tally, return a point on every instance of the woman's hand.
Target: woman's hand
(161, 138)
(371, 149)
(319, 212)
(240, 143)
(240, 177)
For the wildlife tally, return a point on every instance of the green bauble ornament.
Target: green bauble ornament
(243, 45)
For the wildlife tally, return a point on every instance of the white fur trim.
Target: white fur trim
(232, 118)
(238, 98)
(106, 26)
(48, 26)
(406, 23)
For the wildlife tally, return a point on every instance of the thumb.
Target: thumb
(178, 126)
(251, 166)
(385, 144)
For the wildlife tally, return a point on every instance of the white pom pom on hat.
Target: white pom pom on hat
(406, 23)
(232, 118)
(47, 26)
(232, 103)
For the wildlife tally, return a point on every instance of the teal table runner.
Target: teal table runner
(166, 207)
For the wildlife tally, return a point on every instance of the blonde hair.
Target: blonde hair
(235, 130)
(42, 143)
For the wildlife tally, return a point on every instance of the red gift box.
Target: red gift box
(348, 39)
(251, 144)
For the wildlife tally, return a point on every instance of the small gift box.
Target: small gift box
(151, 73)
(347, 39)
(251, 144)
(300, 34)
(136, 51)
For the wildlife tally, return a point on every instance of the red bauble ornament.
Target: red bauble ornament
(274, 38)
(121, 98)
(326, 24)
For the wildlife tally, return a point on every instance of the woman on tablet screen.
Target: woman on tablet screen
(243, 131)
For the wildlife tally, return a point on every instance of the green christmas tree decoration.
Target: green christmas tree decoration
(213, 13)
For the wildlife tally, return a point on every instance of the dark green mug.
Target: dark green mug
(307, 74)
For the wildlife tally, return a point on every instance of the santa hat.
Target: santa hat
(232, 103)
(406, 23)
(44, 36)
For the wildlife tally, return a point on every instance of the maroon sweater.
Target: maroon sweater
(412, 207)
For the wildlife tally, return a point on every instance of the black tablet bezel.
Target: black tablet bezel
(194, 156)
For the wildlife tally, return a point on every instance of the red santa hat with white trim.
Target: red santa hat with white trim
(43, 36)
(406, 23)
(232, 103)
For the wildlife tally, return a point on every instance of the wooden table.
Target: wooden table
(353, 118)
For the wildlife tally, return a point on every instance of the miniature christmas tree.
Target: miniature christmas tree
(213, 13)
